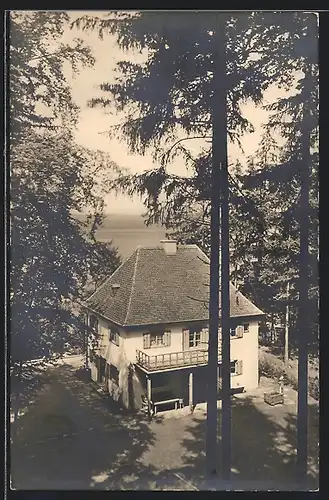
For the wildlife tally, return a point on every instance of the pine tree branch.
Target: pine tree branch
(165, 156)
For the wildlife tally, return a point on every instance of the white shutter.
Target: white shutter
(167, 338)
(204, 337)
(206, 333)
(186, 340)
(146, 340)
(239, 366)
(239, 331)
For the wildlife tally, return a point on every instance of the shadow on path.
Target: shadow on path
(107, 449)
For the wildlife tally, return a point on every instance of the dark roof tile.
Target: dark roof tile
(159, 288)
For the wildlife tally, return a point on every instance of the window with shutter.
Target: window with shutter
(194, 338)
(233, 367)
(146, 340)
(233, 331)
(157, 339)
(114, 337)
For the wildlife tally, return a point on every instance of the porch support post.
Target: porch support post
(149, 388)
(190, 390)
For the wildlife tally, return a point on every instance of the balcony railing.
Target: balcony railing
(171, 360)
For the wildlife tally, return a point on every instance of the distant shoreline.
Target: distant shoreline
(127, 232)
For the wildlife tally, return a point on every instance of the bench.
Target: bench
(167, 401)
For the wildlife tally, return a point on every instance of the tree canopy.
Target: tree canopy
(167, 102)
(53, 255)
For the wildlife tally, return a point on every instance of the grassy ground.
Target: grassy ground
(72, 438)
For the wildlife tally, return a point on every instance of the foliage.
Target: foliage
(52, 255)
(167, 102)
(273, 367)
(40, 96)
(280, 175)
(172, 90)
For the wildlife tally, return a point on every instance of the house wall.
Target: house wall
(245, 349)
(117, 356)
(134, 340)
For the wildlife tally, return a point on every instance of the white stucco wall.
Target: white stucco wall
(134, 340)
(117, 356)
(245, 349)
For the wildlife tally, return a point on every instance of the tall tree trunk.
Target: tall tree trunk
(85, 340)
(303, 319)
(272, 327)
(225, 283)
(219, 159)
(17, 402)
(236, 275)
(286, 329)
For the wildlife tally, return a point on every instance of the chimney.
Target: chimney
(115, 287)
(169, 246)
(237, 298)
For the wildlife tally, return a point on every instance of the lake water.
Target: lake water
(128, 239)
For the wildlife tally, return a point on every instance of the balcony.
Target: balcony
(171, 360)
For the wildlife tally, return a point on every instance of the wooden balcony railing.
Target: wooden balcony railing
(171, 360)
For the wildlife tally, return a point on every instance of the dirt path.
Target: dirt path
(72, 438)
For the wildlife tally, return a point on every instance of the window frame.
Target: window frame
(114, 337)
(157, 335)
(235, 328)
(196, 341)
(164, 336)
(235, 361)
(235, 335)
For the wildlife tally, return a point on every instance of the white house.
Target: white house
(152, 316)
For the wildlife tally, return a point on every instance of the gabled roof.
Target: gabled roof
(159, 288)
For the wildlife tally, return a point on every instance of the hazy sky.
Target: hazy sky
(93, 121)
